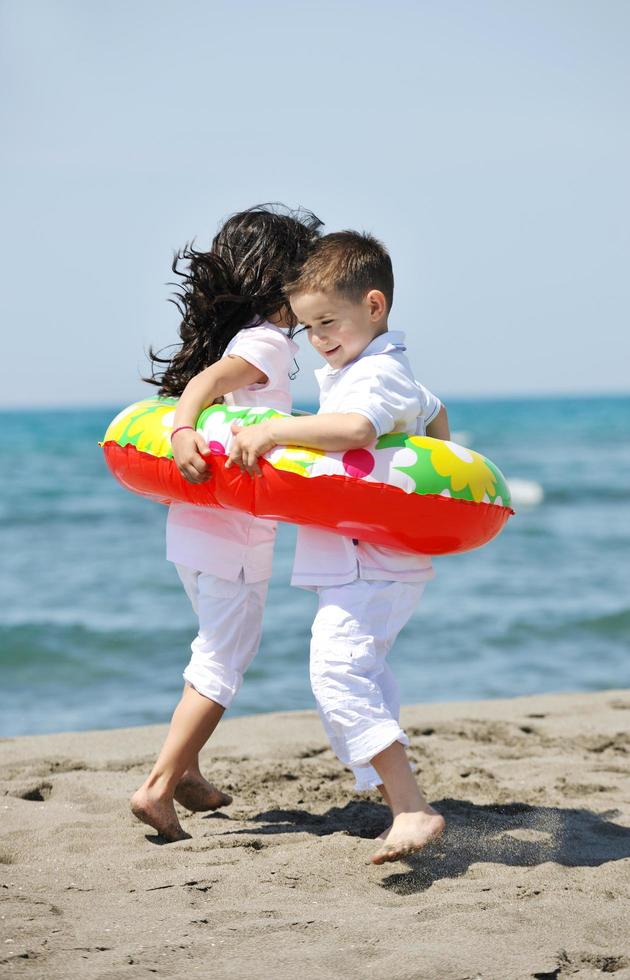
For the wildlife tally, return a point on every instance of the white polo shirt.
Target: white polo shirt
(227, 542)
(380, 385)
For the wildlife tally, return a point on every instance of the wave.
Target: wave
(609, 626)
(589, 493)
(33, 645)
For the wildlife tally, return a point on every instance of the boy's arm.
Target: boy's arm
(439, 427)
(226, 374)
(332, 432)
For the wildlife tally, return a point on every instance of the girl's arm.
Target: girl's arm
(225, 375)
(439, 427)
(333, 432)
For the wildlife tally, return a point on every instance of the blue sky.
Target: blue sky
(486, 143)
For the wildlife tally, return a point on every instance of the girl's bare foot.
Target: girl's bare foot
(197, 794)
(159, 814)
(410, 832)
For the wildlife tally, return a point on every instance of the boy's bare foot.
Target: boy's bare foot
(197, 794)
(159, 814)
(410, 832)
(385, 796)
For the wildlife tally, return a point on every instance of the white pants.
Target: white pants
(230, 623)
(357, 695)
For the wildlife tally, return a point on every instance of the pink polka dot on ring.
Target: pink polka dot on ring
(217, 448)
(358, 463)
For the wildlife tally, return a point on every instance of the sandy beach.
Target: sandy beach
(531, 881)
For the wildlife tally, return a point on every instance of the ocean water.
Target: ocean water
(95, 628)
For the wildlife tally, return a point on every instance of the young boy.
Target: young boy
(343, 294)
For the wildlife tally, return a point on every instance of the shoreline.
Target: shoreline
(304, 717)
(531, 878)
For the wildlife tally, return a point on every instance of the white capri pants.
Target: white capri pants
(230, 624)
(356, 692)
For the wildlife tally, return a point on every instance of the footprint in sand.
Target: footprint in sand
(36, 792)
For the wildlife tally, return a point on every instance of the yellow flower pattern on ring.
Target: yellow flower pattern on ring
(146, 425)
(293, 459)
(461, 466)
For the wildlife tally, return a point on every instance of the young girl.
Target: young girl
(236, 347)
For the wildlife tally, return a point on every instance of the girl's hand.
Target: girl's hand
(250, 443)
(189, 449)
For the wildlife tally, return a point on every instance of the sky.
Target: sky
(486, 143)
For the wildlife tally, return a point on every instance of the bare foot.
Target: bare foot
(159, 814)
(197, 794)
(410, 832)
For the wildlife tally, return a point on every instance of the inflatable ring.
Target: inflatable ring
(411, 493)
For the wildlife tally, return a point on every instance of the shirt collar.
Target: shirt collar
(385, 343)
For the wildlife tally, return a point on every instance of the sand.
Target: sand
(531, 881)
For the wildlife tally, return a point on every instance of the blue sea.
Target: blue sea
(95, 628)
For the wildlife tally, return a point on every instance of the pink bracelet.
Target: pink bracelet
(180, 427)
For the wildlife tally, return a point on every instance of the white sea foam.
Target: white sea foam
(526, 493)
(462, 437)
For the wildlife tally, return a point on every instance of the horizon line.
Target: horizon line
(477, 397)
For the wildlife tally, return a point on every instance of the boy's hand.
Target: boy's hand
(189, 449)
(249, 443)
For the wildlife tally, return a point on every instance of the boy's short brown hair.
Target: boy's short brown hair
(346, 262)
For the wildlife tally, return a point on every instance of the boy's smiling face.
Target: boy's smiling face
(339, 328)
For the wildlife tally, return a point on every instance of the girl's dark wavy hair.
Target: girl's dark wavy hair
(239, 282)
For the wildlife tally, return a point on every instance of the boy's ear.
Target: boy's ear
(377, 304)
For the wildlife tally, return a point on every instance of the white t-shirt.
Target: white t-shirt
(380, 385)
(218, 540)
